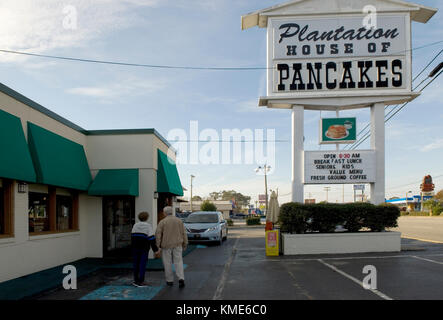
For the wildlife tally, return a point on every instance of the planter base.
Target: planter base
(333, 243)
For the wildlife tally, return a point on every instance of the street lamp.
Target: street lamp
(192, 177)
(265, 169)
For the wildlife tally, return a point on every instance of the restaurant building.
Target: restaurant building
(67, 193)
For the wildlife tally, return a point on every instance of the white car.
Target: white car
(207, 226)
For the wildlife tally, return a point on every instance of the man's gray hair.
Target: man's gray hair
(167, 210)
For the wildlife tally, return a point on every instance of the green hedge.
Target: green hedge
(230, 222)
(325, 217)
(253, 221)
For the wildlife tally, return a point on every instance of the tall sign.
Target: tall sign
(338, 55)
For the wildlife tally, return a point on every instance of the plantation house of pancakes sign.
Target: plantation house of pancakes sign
(337, 55)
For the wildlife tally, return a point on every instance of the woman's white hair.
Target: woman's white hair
(167, 210)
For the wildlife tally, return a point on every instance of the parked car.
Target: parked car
(207, 226)
(240, 216)
(183, 215)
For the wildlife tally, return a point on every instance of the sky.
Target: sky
(198, 33)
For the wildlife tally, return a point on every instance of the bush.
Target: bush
(208, 206)
(293, 218)
(384, 216)
(253, 221)
(230, 222)
(323, 217)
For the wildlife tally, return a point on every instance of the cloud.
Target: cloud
(39, 26)
(437, 144)
(129, 86)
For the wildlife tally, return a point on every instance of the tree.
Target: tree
(214, 195)
(208, 206)
(439, 196)
(240, 199)
(197, 198)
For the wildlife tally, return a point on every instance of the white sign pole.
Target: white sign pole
(378, 144)
(297, 153)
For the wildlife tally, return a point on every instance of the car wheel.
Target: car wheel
(226, 236)
(220, 241)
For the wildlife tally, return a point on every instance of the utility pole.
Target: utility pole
(192, 177)
(327, 189)
(265, 169)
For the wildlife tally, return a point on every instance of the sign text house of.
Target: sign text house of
(338, 54)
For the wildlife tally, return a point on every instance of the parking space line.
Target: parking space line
(378, 293)
(429, 260)
(221, 284)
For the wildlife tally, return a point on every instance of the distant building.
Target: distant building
(410, 204)
(224, 206)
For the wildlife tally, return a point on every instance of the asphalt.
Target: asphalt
(427, 228)
(240, 270)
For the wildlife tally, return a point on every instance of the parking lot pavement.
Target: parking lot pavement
(239, 270)
(242, 271)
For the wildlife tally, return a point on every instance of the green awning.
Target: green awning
(15, 159)
(58, 161)
(115, 182)
(167, 175)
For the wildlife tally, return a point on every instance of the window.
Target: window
(6, 192)
(64, 212)
(52, 210)
(2, 210)
(39, 212)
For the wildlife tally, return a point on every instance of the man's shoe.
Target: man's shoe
(135, 284)
(170, 284)
(181, 283)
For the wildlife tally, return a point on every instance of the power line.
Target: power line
(154, 66)
(415, 78)
(367, 135)
(405, 185)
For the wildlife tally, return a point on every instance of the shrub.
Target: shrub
(230, 222)
(253, 221)
(293, 218)
(323, 217)
(383, 216)
(354, 214)
(208, 206)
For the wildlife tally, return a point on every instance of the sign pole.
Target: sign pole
(378, 144)
(297, 153)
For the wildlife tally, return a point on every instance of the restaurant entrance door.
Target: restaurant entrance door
(118, 219)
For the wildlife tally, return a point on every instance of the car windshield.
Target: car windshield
(202, 218)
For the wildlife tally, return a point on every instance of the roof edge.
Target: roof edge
(36, 106)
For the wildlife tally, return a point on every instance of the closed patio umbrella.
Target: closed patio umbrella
(273, 210)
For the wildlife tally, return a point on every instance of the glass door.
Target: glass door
(119, 217)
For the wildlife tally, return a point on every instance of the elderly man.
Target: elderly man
(171, 237)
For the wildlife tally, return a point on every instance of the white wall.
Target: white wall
(23, 254)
